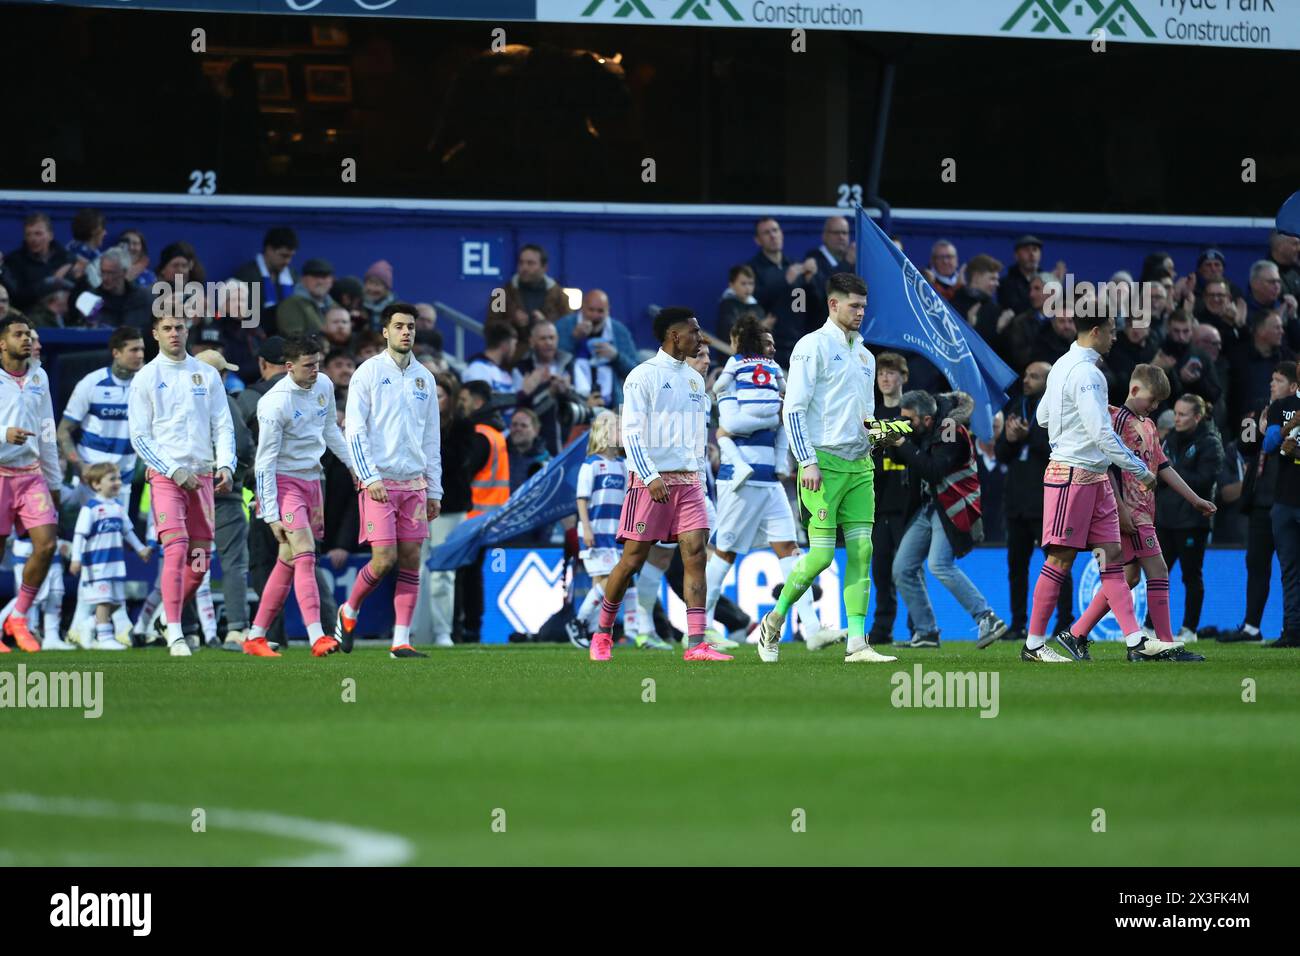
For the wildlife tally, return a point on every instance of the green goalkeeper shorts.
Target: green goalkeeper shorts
(847, 494)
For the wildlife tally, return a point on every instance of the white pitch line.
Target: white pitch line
(347, 845)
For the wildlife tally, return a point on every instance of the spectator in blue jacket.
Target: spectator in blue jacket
(602, 348)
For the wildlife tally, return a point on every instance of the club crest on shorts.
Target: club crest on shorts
(370, 527)
(288, 519)
(1068, 532)
(821, 514)
(162, 516)
(640, 527)
(1151, 542)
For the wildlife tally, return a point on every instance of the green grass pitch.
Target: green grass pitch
(534, 755)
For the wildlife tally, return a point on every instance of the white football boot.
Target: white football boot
(769, 638)
(868, 655)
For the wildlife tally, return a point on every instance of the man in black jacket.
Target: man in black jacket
(1253, 362)
(893, 500)
(1282, 422)
(1257, 501)
(976, 303)
(837, 253)
(1134, 346)
(1013, 290)
(776, 282)
(1024, 449)
(39, 259)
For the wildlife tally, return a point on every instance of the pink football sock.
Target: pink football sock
(26, 594)
(697, 621)
(274, 594)
(1119, 598)
(364, 584)
(1046, 593)
(304, 583)
(1158, 602)
(407, 592)
(1098, 609)
(193, 577)
(175, 561)
(608, 614)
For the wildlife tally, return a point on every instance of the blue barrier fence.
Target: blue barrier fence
(524, 587)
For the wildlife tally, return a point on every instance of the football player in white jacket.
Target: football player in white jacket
(29, 468)
(296, 422)
(393, 435)
(181, 427)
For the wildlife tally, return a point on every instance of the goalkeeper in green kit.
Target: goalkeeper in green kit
(830, 422)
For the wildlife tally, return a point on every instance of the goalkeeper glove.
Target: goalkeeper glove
(879, 431)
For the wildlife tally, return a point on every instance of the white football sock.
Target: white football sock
(147, 611)
(82, 613)
(104, 632)
(175, 633)
(730, 455)
(1035, 641)
(805, 607)
(715, 572)
(207, 615)
(590, 604)
(401, 634)
(315, 632)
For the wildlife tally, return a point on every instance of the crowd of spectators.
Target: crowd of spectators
(548, 364)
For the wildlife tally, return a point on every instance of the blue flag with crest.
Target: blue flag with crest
(905, 312)
(548, 496)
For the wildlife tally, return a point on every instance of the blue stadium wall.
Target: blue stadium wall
(639, 255)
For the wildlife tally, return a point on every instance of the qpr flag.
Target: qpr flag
(548, 496)
(1288, 217)
(904, 312)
